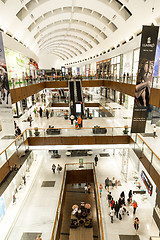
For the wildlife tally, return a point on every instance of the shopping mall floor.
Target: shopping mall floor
(37, 211)
(35, 208)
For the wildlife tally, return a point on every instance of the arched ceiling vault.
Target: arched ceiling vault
(74, 28)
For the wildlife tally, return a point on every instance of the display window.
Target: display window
(127, 63)
(17, 65)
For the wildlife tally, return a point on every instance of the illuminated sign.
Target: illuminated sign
(146, 182)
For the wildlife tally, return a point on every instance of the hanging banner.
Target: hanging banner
(6, 117)
(144, 78)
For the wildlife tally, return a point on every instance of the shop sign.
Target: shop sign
(144, 78)
(20, 62)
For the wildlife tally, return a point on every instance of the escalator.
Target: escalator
(79, 96)
(72, 99)
(76, 98)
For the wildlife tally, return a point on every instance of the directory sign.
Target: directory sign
(144, 78)
(146, 182)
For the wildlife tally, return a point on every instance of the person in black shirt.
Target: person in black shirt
(96, 160)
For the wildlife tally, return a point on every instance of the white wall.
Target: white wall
(50, 61)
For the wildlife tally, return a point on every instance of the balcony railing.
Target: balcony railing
(75, 166)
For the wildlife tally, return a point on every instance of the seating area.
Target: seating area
(81, 216)
(53, 131)
(99, 130)
(78, 153)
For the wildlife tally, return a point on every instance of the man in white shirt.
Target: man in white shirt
(112, 214)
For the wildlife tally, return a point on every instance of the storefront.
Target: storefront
(17, 65)
(135, 63)
(103, 68)
(115, 67)
(127, 62)
(17, 109)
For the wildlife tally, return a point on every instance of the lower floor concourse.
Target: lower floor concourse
(38, 210)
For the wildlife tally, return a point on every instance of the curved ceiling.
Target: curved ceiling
(72, 29)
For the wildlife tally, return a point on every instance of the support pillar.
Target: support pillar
(124, 169)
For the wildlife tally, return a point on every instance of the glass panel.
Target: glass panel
(147, 152)
(2, 159)
(139, 142)
(19, 141)
(156, 163)
(11, 150)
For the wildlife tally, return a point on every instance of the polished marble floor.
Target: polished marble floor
(37, 211)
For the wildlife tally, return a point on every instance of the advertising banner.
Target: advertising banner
(6, 117)
(144, 78)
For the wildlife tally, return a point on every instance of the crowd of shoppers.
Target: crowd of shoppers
(120, 207)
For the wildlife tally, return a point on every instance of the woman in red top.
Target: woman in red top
(135, 205)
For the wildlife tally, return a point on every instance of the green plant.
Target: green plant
(36, 131)
(125, 131)
(66, 116)
(90, 116)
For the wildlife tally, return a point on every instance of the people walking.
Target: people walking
(109, 197)
(79, 121)
(135, 205)
(130, 196)
(112, 211)
(136, 224)
(72, 119)
(40, 112)
(107, 183)
(122, 195)
(47, 113)
(113, 182)
(53, 167)
(30, 120)
(116, 208)
(100, 189)
(59, 168)
(154, 131)
(96, 160)
(112, 203)
(120, 213)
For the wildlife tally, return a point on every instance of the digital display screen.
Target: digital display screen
(146, 182)
(78, 108)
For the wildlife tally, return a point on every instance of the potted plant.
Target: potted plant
(36, 131)
(66, 116)
(125, 131)
(90, 116)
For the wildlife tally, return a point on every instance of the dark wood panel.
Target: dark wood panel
(4, 170)
(56, 84)
(92, 104)
(92, 83)
(121, 87)
(18, 94)
(155, 176)
(79, 176)
(60, 105)
(69, 140)
(121, 139)
(86, 140)
(78, 140)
